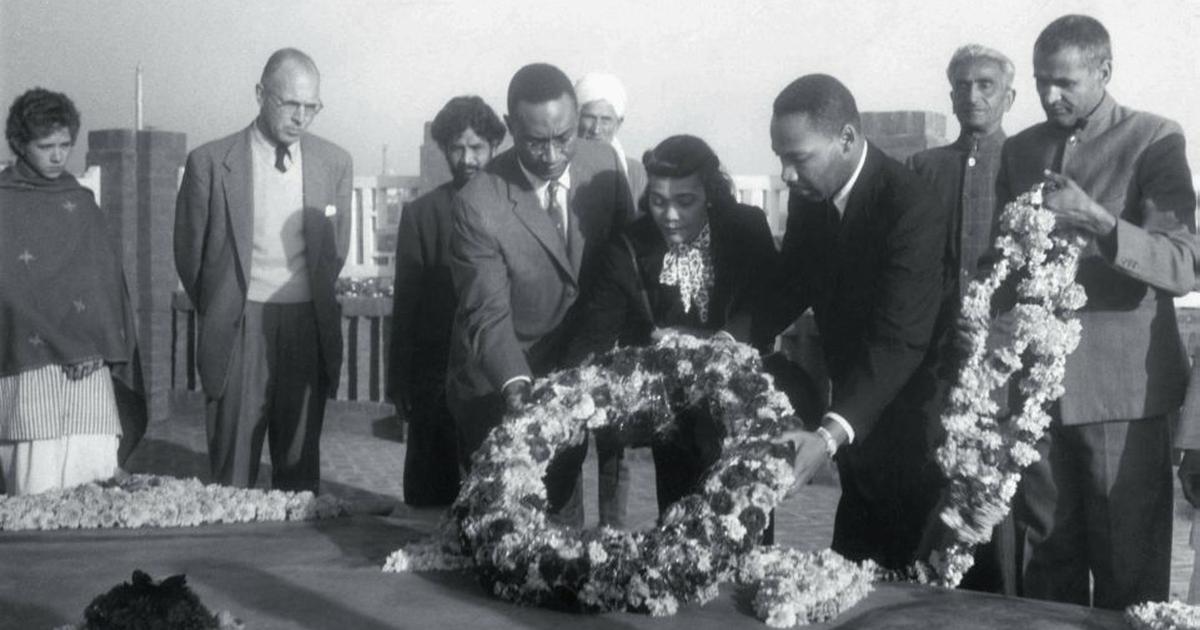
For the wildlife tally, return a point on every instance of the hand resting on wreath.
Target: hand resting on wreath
(516, 395)
(700, 333)
(811, 455)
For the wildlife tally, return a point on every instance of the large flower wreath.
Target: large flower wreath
(500, 529)
(499, 525)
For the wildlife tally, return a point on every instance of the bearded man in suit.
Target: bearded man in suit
(468, 133)
(526, 234)
(863, 248)
(262, 226)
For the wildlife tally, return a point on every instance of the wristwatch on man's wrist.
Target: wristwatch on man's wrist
(831, 445)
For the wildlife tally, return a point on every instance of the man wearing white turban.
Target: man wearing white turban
(602, 102)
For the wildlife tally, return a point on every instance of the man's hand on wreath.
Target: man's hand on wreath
(1073, 207)
(811, 455)
(1000, 332)
(516, 395)
(1189, 476)
(658, 333)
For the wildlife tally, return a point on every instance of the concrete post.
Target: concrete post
(139, 182)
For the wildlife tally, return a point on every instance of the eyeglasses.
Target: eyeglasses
(291, 108)
(541, 145)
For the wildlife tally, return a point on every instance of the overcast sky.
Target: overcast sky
(708, 67)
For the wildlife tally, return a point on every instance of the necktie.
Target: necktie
(553, 208)
(832, 217)
(281, 152)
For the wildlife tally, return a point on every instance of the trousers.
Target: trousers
(1097, 504)
(276, 390)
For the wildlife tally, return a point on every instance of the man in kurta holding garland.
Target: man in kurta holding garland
(1098, 503)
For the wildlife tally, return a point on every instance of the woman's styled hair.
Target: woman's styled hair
(36, 114)
(682, 156)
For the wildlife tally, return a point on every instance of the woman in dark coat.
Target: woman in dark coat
(692, 259)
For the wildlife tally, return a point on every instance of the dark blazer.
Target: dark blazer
(626, 303)
(873, 280)
(515, 277)
(214, 226)
(1130, 362)
(423, 296)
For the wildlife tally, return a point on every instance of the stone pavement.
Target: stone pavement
(362, 460)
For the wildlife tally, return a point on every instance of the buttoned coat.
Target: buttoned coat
(422, 298)
(214, 227)
(516, 276)
(1130, 362)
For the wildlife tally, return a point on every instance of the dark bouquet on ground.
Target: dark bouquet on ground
(143, 604)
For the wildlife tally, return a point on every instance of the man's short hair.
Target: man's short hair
(466, 112)
(36, 114)
(538, 83)
(1076, 31)
(285, 55)
(827, 103)
(974, 52)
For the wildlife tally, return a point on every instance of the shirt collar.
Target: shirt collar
(966, 141)
(843, 195)
(1097, 120)
(539, 185)
(266, 147)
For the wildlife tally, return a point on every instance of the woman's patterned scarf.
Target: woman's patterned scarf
(689, 267)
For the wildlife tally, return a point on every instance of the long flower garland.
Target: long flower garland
(499, 526)
(983, 455)
(153, 501)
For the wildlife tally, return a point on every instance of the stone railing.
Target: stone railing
(375, 208)
(366, 331)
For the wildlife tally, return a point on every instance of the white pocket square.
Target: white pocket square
(330, 210)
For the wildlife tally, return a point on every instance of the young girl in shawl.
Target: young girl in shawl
(64, 319)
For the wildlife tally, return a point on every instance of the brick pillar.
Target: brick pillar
(903, 133)
(115, 152)
(139, 181)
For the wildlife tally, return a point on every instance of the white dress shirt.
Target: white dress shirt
(541, 188)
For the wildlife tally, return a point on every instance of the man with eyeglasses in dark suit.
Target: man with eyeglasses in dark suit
(262, 226)
(526, 234)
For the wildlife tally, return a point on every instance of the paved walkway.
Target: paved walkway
(362, 460)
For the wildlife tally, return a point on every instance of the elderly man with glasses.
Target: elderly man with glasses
(262, 225)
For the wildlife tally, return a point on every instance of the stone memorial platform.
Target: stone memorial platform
(326, 574)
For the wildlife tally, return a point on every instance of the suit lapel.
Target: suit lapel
(238, 185)
(313, 173)
(860, 195)
(529, 211)
(722, 256)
